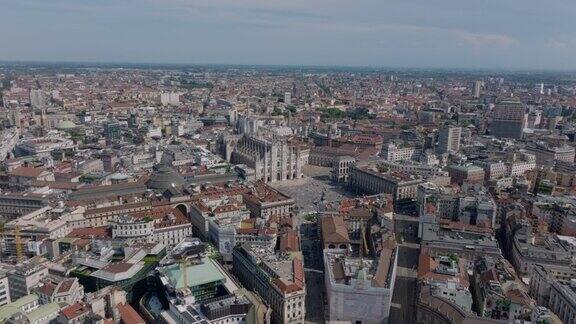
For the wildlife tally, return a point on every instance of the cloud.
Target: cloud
(364, 32)
(479, 40)
(327, 16)
(476, 40)
(561, 43)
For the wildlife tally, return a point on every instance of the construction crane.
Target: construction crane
(364, 247)
(184, 269)
(18, 242)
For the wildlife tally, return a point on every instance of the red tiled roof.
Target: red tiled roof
(28, 172)
(65, 285)
(89, 232)
(48, 288)
(298, 271)
(289, 241)
(334, 230)
(58, 185)
(129, 315)
(74, 310)
(118, 267)
(489, 275)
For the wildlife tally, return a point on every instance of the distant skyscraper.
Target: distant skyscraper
(36, 98)
(449, 139)
(56, 94)
(133, 121)
(541, 88)
(17, 118)
(170, 98)
(287, 98)
(44, 119)
(477, 89)
(108, 161)
(508, 120)
(112, 130)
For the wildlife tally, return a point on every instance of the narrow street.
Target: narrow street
(403, 306)
(314, 267)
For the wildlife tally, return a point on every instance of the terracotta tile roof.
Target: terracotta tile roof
(65, 285)
(28, 172)
(360, 213)
(118, 267)
(289, 241)
(489, 275)
(89, 232)
(286, 287)
(518, 296)
(427, 266)
(334, 230)
(48, 288)
(297, 283)
(75, 310)
(144, 204)
(281, 220)
(452, 225)
(263, 193)
(58, 185)
(129, 315)
(298, 271)
(381, 277)
(164, 216)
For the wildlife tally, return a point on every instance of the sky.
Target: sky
(490, 34)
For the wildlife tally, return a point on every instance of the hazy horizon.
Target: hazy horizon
(433, 34)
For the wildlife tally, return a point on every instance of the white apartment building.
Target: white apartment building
(359, 290)
(494, 170)
(520, 163)
(278, 278)
(37, 98)
(168, 230)
(68, 291)
(287, 98)
(449, 139)
(393, 152)
(35, 228)
(217, 220)
(170, 98)
(126, 227)
(545, 154)
(222, 211)
(24, 277)
(519, 168)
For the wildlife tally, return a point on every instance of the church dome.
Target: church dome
(165, 178)
(66, 125)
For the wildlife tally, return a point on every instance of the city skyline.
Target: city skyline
(488, 35)
(296, 195)
(287, 161)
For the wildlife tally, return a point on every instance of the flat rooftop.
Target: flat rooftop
(197, 274)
